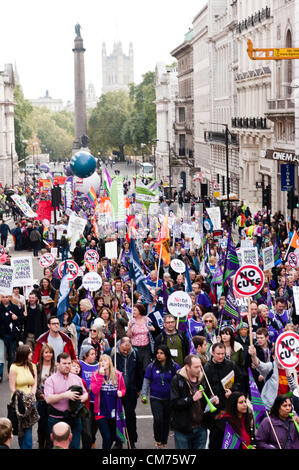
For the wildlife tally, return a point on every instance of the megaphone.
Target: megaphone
(211, 406)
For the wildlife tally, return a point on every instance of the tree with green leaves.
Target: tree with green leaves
(107, 121)
(22, 121)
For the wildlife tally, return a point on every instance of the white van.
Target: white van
(30, 168)
(147, 169)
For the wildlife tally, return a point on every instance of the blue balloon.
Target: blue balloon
(83, 164)
(44, 167)
(68, 171)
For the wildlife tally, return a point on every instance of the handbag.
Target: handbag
(12, 415)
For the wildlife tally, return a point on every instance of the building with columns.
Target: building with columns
(8, 156)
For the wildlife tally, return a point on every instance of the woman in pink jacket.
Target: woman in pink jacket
(107, 385)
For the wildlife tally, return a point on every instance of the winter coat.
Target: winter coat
(43, 339)
(286, 433)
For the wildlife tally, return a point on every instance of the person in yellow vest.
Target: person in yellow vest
(241, 219)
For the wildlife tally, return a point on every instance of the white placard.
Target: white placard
(215, 216)
(54, 252)
(296, 298)
(75, 228)
(268, 258)
(286, 349)
(23, 272)
(178, 266)
(249, 280)
(249, 256)
(92, 281)
(179, 303)
(248, 243)
(6, 280)
(111, 250)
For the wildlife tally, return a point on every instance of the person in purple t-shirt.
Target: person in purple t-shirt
(158, 377)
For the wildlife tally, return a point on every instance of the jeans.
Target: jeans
(11, 346)
(25, 442)
(161, 415)
(64, 253)
(107, 428)
(2, 357)
(76, 430)
(196, 439)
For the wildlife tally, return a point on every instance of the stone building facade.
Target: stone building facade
(117, 68)
(8, 156)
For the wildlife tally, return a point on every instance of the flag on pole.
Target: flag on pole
(188, 284)
(107, 182)
(259, 409)
(92, 197)
(231, 307)
(269, 297)
(136, 273)
(277, 254)
(120, 421)
(64, 292)
(231, 263)
(231, 439)
(163, 242)
(165, 296)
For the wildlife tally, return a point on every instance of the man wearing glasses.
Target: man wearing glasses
(59, 341)
(176, 341)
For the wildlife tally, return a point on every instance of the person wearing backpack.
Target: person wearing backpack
(35, 238)
(158, 377)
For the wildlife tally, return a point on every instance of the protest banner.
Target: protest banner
(23, 206)
(118, 200)
(246, 243)
(215, 216)
(23, 272)
(268, 258)
(111, 249)
(249, 256)
(287, 349)
(178, 266)
(92, 281)
(44, 209)
(46, 260)
(6, 280)
(75, 228)
(179, 303)
(296, 298)
(68, 195)
(72, 269)
(293, 260)
(91, 256)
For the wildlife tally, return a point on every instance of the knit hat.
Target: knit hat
(85, 348)
(243, 325)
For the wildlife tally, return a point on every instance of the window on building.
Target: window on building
(289, 66)
(182, 115)
(182, 149)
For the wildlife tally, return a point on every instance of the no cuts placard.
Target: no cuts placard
(249, 280)
(287, 349)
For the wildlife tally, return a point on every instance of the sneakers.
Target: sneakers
(157, 445)
(117, 445)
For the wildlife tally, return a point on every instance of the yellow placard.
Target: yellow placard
(216, 194)
(286, 52)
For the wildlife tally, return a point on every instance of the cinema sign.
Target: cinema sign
(290, 157)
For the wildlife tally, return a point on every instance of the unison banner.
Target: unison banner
(23, 205)
(68, 194)
(118, 200)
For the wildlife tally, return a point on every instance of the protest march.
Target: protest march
(188, 307)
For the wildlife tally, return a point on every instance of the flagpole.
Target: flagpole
(250, 322)
(159, 264)
(273, 429)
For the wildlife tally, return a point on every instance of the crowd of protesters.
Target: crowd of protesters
(115, 347)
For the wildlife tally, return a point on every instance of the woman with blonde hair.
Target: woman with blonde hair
(210, 322)
(107, 385)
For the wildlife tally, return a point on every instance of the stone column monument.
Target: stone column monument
(80, 93)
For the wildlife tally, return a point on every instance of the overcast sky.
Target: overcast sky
(38, 35)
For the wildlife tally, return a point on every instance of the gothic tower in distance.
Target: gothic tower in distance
(117, 68)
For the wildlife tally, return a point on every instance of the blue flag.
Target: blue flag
(64, 292)
(136, 273)
(188, 285)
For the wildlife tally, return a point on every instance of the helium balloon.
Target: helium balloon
(83, 185)
(68, 170)
(44, 167)
(83, 164)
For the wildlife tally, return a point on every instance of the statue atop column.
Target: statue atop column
(78, 30)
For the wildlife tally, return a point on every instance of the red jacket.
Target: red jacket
(43, 339)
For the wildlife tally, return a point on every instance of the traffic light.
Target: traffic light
(267, 197)
(291, 203)
(296, 202)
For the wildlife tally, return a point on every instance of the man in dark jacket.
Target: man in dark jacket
(35, 320)
(188, 405)
(11, 319)
(223, 376)
(129, 363)
(176, 341)
(4, 229)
